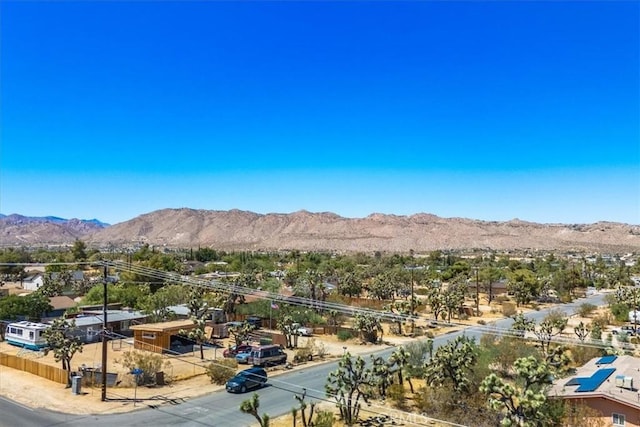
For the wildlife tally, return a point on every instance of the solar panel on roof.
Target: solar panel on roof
(594, 381)
(605, 360)
(575, 381)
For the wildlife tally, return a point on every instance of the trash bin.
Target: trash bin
(76, 384)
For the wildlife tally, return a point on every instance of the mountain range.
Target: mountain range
(324, 231)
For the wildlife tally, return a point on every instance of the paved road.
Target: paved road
(221, 408)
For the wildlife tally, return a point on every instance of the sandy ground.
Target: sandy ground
(36, 392)
(188, 374)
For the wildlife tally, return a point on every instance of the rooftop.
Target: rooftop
(165, 326)
(610, 377)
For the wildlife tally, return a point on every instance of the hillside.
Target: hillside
(243, 230)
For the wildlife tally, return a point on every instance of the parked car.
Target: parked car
(302, 330)
(248, 379)
(244, 358)
(268, 355)
(255, 321)
(232, 351)
(626, 330)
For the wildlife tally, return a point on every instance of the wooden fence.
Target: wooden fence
(43, 370)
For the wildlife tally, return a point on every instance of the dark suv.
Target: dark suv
(245, 380)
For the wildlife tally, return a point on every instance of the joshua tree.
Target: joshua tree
(349, 385)
(251, 407)
(63, 344)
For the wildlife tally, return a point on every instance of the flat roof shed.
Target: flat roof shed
(156, 337)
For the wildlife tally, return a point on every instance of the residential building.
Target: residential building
(609, 386)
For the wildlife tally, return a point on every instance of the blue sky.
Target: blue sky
(490, 110)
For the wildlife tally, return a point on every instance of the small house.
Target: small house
(60, 304)
(89, 325)
(607, 385)
(33, 282)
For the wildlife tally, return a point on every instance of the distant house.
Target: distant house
(609, 385)
(182, 312)
(60, 305)
(33, 282)
(119, 322)
(76, 276)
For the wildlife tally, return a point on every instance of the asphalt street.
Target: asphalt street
(222, 408)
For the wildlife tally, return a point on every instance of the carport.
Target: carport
(158, 337)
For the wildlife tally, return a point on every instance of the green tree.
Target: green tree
(350, 385)
(436, 301)
(240, 333)
(453, 298)
(197, 334)
(582, 331)
(307, 419)
(286, 326)
(35, 305)
(524, 403)
(63, 343)
(368, 325)
(400, 365)
(381, 375)
(452, 364)
(350, 285)
(400, 311)
(251, 407)
(521, 325)
(551, 326)
(382, 287)
(523, 285)
(79, 251)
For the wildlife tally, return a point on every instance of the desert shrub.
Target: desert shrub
(398, 396)
(596, 332)
(481, 322)
(222, 370)
(601, 321)
(344, 335)
(509, 310)
(586, 309)
(418, 351)
(150, 363)
(555, 315)
(620, 312)
(321, 349)
(502, 298)
(582, 354)
(324, 419)
(303, 353)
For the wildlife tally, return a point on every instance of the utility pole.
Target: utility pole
(412, 312)
(104, 335)
(477, 292)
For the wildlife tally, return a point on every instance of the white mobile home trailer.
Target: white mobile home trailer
(26, 334)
